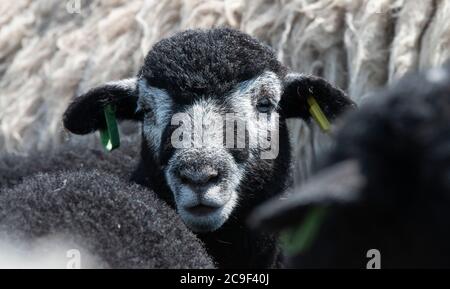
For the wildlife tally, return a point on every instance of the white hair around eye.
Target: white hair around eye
(159, 102)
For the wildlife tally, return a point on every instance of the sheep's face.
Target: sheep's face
(210, 103)
(207, 145)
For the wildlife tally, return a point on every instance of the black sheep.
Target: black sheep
(204, 75)
(112, 223)
(70, 156)
(384, 186)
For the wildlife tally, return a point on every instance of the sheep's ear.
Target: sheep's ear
(86, 112)
(301, 91)
(336, 186)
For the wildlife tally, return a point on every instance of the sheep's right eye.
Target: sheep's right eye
(145, 109)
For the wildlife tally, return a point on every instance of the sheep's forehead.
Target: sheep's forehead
(244, 94)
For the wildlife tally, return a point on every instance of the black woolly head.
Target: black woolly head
(207, 62)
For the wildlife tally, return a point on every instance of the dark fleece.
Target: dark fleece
(123, 224)
(401, 138)
(401, 141)
(71, 156)
(207, 62)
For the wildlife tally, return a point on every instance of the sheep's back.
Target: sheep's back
(122, 224)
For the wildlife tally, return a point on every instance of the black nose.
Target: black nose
(199, 177)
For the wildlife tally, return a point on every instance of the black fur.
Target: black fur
(122, 224)
(401, 143)
(89, 117)
(72, 156)
(209, 64)
(331, 99)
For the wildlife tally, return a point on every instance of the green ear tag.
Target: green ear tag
(110, 135)
(299, 239)
(318, 115)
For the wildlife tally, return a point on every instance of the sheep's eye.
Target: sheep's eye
(145, 109)
(264, 105)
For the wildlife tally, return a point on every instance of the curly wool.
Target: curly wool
(183, 64)
(71, 157)
(119, 224)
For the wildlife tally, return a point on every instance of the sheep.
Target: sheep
(69, 156)
(384, 186)
(112, 223)
(198, 77)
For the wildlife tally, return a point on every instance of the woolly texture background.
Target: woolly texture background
(48, 55)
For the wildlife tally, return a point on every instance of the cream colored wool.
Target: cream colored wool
(47, 55)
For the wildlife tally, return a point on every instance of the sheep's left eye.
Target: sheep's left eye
(264, 105)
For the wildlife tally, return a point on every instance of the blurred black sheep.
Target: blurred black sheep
(384, 186)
